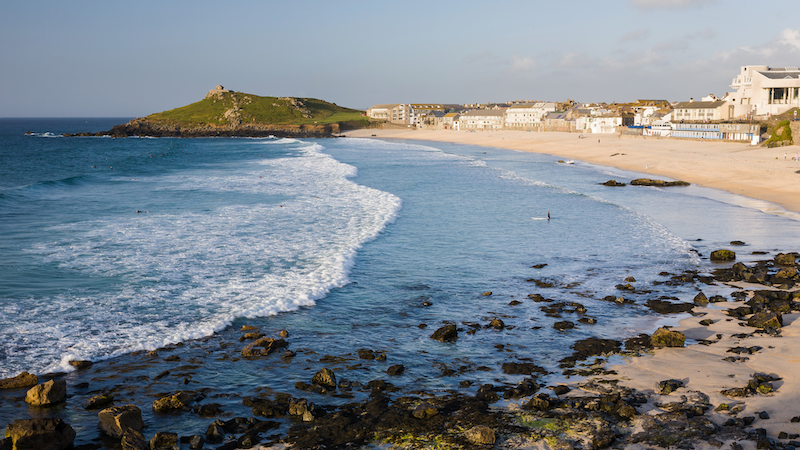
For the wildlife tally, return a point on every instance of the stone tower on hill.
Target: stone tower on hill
(217, 91)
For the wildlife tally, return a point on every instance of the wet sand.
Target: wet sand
(739, 168)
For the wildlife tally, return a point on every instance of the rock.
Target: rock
(215, 433)
(665, 307)
(497, 324)
(425, 411)
(308, 416)
(722, 255)
(564, 325)
(98, 401)
(81, 364)
(537, 403)
(40, 434)
(630, 280)
(196, 442)
(174, 402)
(706, 322)
(164, 441)
(396, 369)
(657, 183)
(118, 418)
(446, 333)
(737, 243)
(325, 377)
(613, 183)
(298, 407)
(263, 347)
(23, 380)
(668, 386)
(561, 389)
(480, 435)
(789, 272)
(47, 394)
(514, 368)
(701, 299)
(133, 440)
(785, 259)
(766, 319)
(666, 338)
(487, 294)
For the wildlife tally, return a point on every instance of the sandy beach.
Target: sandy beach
(752, 171)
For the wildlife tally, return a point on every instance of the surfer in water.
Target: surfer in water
(548, 215)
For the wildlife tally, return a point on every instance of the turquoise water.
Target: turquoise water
(346, 243)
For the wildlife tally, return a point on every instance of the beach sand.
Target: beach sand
(739, 168)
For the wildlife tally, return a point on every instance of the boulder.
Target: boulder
(46, 394)
(425, 411)
(766, 319)
(613, 183)
(164, 441)
(658, 183)
(80, 364)
(114, 420)
(98, 401)
(723, 255)
(701, 299)
(23, 380)
(789, 272)
(668, 386)
(325, 377)
(396, 369)
(263, 347)
(40, 434)
(785, 259)
(133, 440)
(480, 435)
(446, 333)
(564, 325)
(666, 338)
(174, 402)
(497, 324)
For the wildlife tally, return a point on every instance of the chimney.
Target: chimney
(691, 100)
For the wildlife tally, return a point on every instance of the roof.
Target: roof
(557, 115)
(451, 115)
(781, 75)
(699, 105)
(384, 106)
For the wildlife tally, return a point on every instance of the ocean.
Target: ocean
(111, 247)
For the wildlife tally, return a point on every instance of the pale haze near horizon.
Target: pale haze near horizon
(115, 59)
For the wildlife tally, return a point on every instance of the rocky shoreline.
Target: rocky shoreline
(143, 127)
(602, 408)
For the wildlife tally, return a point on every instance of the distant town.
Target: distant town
(761, 92)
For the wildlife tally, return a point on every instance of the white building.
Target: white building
(483, 119)
(382, 112)
(525, 116)
(606, 124)
(765, 90)
(692, 111)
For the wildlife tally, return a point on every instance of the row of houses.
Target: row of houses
(760, 91)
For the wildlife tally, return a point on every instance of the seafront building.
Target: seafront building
(765, 91)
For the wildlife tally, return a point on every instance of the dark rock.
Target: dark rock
(785, 259)
(665, 307)
(480, 435)
(497, 324)
(487, 294)
(564, 325)
(722, 255)
(668, 386)
(487, 394)
(701, 299)
(706, 322)
(118, 418)
(663, 337)
(365, 353)
(47, 394)
(538, 298)
(40, 434)
(99, 401)
(80, 364)
(522, 368)
(263, 347)
(737, 243)
(592, 347)
(763, 415)
(538, 403)
(209, 410)
(396, 369)
(425, 411)
(717, 299)
(588, 320)
(657, 183)
(325, 377)
(196, 442)
(215, 433)
(164, 441)
(174, 402)
(133, 440)
(613, 183)
(446, 333)
(766, 319)
(23, 380)
(561, 389)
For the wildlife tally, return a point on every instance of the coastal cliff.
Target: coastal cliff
(227, 113)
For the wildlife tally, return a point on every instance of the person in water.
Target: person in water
(548, 215)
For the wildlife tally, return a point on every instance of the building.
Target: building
(381, 112)
(526, 116)
(418, 110)
(483, 119)
(558, 121)
(449, 121)
(400, 114)
(692, 111)
(764, 90)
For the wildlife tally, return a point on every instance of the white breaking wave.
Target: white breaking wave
(186, 274)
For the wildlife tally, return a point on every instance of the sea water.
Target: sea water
(110, 246)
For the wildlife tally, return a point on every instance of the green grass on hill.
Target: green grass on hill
(254, 110)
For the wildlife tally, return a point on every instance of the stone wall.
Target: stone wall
(796, 132)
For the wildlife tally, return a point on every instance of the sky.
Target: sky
(86, 58)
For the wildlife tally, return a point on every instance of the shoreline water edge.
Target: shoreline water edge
(725, 376)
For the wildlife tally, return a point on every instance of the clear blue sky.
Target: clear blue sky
(108, 58)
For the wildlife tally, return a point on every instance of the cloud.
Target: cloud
(636, 35)
(669, 4)
(705, 33)
(485, 58)
(781, 50)
(790, 37)
(522, 64)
